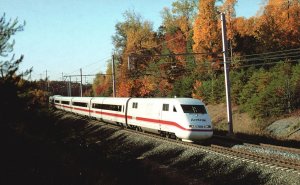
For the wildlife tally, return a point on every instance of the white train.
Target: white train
(182, 118)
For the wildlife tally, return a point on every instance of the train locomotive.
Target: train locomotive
(182, 118)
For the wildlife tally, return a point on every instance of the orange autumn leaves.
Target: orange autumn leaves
(194, 26)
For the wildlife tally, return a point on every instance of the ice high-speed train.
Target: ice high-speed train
(182, 118)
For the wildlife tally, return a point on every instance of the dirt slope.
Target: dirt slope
(285, 128)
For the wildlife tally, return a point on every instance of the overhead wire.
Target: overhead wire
(269, 56)
(88, 65)
(266, 53)
(268, 63)
(291, 54)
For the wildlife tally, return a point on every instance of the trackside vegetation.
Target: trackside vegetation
(183, 57)
(50, 147)
(19, 97)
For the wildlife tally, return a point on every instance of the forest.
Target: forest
(183, 58)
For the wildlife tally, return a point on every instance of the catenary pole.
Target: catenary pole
(80, 82)
(70, 88)
(128, 65)
(226, 71)
(113, 76)
(46, 81)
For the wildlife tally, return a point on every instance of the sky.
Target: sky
(62, 36)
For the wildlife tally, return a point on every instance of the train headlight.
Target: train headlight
(200, 126)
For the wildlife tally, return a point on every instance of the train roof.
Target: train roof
(158, 99)
(171, 100)
(81, 98)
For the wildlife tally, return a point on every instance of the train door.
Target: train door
(160, 116)
(165, 116)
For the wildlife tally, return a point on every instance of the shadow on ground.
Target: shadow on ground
(59, 148)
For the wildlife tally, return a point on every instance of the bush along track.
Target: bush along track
(67, 149)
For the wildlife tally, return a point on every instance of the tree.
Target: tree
(147, 86)
(134, 40)
(13, 88)
(272, 92)
(180, 17)
(177, 31)
(294, 84)
(228, 9)
(177, 24)
(183, 87)
(245, 40)
(279, 26)
(102, 85)
(133, 35)
(206, 30)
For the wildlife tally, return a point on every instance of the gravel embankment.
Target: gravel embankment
(86, 152)
(285, 155)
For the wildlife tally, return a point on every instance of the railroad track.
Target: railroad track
(232, 153)
(276, 162)
(279, 148)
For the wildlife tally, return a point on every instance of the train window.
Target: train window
(135, 105)
(174, 109)
(79, 104)
(119, 108)
(194, 109)
(108, 107)
(165, 107)
(65, 102)
(96, 106)
(57, 101)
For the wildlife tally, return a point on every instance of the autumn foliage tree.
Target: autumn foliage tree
(102, 85)
(207, 30)
(229, 10)
(133, 40)
(178, 24)
(155, 63)
(279, 26)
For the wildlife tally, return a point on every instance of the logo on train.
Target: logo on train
(198, 119)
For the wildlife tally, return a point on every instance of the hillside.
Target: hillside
(284, 128)
(62, 148)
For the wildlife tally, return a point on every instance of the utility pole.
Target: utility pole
(63, 79)
(70, 88)
(85, 82)
(47, 82)
(226, 71)
(80, 82)
(128, 67)
(113, 76)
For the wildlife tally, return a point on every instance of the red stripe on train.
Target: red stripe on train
(85, 110)
(145, 119)
(110, 114)
(65, 106)
(172, 124)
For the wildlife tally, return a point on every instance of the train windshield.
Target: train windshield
(198, 109)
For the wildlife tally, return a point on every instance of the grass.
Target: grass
(244, 124)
